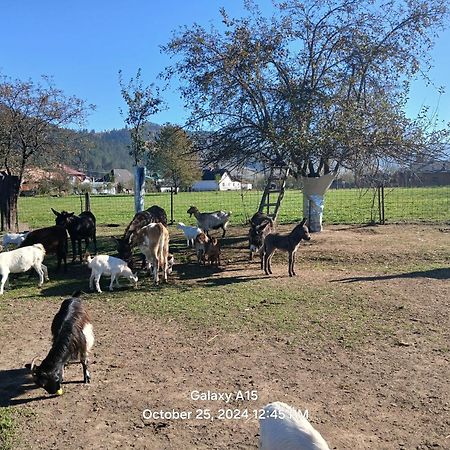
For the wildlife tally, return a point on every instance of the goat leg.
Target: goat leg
(86, 374)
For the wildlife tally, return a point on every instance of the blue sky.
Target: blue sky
(83, 44)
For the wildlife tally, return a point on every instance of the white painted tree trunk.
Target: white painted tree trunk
(139, 188)
(314, 190)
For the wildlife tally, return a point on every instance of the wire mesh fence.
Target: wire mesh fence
(342, 206)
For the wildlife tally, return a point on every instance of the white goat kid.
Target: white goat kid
(189, 232)
(109, 265)
(153, 241)
(21, 260)
(13, 239)
(282, 427)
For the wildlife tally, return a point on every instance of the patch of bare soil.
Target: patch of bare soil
(391, 392)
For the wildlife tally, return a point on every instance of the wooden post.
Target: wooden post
(9, 192)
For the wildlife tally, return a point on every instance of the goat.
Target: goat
(212, 251)
(82, 227)
(260, 226)
(108, 265)
(21, 260)
(287, 243)
(282, 427)
(189, 232)
(153, 241)
(200, 243)
(73, 338)
(13, 238)
(213, 220)
(54, 240)
(125, 244)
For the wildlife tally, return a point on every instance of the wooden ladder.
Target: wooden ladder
(274, 191)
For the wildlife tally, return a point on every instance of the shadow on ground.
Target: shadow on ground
(437, 274)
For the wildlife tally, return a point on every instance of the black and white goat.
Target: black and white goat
(73, 338)
(211, 220)
(82, 227)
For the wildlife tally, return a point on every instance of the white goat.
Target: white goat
(282, 427)
(212, 220)
(189, 232)
(13, 238)
(153, 241)
(21, 260)
(109, 265)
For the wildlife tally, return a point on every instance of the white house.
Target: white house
(218, 180)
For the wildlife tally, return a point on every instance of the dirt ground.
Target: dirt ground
(388, 391)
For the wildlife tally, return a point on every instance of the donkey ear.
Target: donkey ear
(56, 213)
(303, 221)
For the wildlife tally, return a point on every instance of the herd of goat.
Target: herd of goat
(71, 329)
(147, 231)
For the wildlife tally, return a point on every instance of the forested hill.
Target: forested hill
(109, 149)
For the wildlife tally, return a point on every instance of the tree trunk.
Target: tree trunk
(9, 193)
(314, 189)
(139, 188)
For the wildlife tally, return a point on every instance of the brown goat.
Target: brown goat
(212, 251)
(153, 241)
(54, 240)
(200, 243)
(287, 243)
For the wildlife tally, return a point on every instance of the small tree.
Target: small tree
(174, 158)
(142, 103)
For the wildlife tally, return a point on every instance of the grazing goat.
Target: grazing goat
(212, 251)
(23, 259)
(125, 244)
(73, 338)
(260, 226)
(13, 238)
(282, 427)
(82, 227)
(153, 241)
(54, 240)
(287, 243)
(213, 220)
(200, 243)
(189, 232)
(108, 265)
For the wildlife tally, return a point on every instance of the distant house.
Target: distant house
(218, 180)
(434, 173)
(122, 180)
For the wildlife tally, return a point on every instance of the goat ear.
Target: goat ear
(70, 214)
(56, 213)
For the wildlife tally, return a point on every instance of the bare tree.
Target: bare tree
(34, 117)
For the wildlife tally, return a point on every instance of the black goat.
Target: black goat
(73, 338)
(260, 226)
(54, 240)
(287, 243)
(79, 228)
(125, 244)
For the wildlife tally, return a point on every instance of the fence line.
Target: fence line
(342, 206)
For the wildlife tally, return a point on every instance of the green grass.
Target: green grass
(342, 206)
(7, 428)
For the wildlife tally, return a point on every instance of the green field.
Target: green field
(342, 206)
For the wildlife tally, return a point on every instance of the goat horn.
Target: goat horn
(33, 363)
